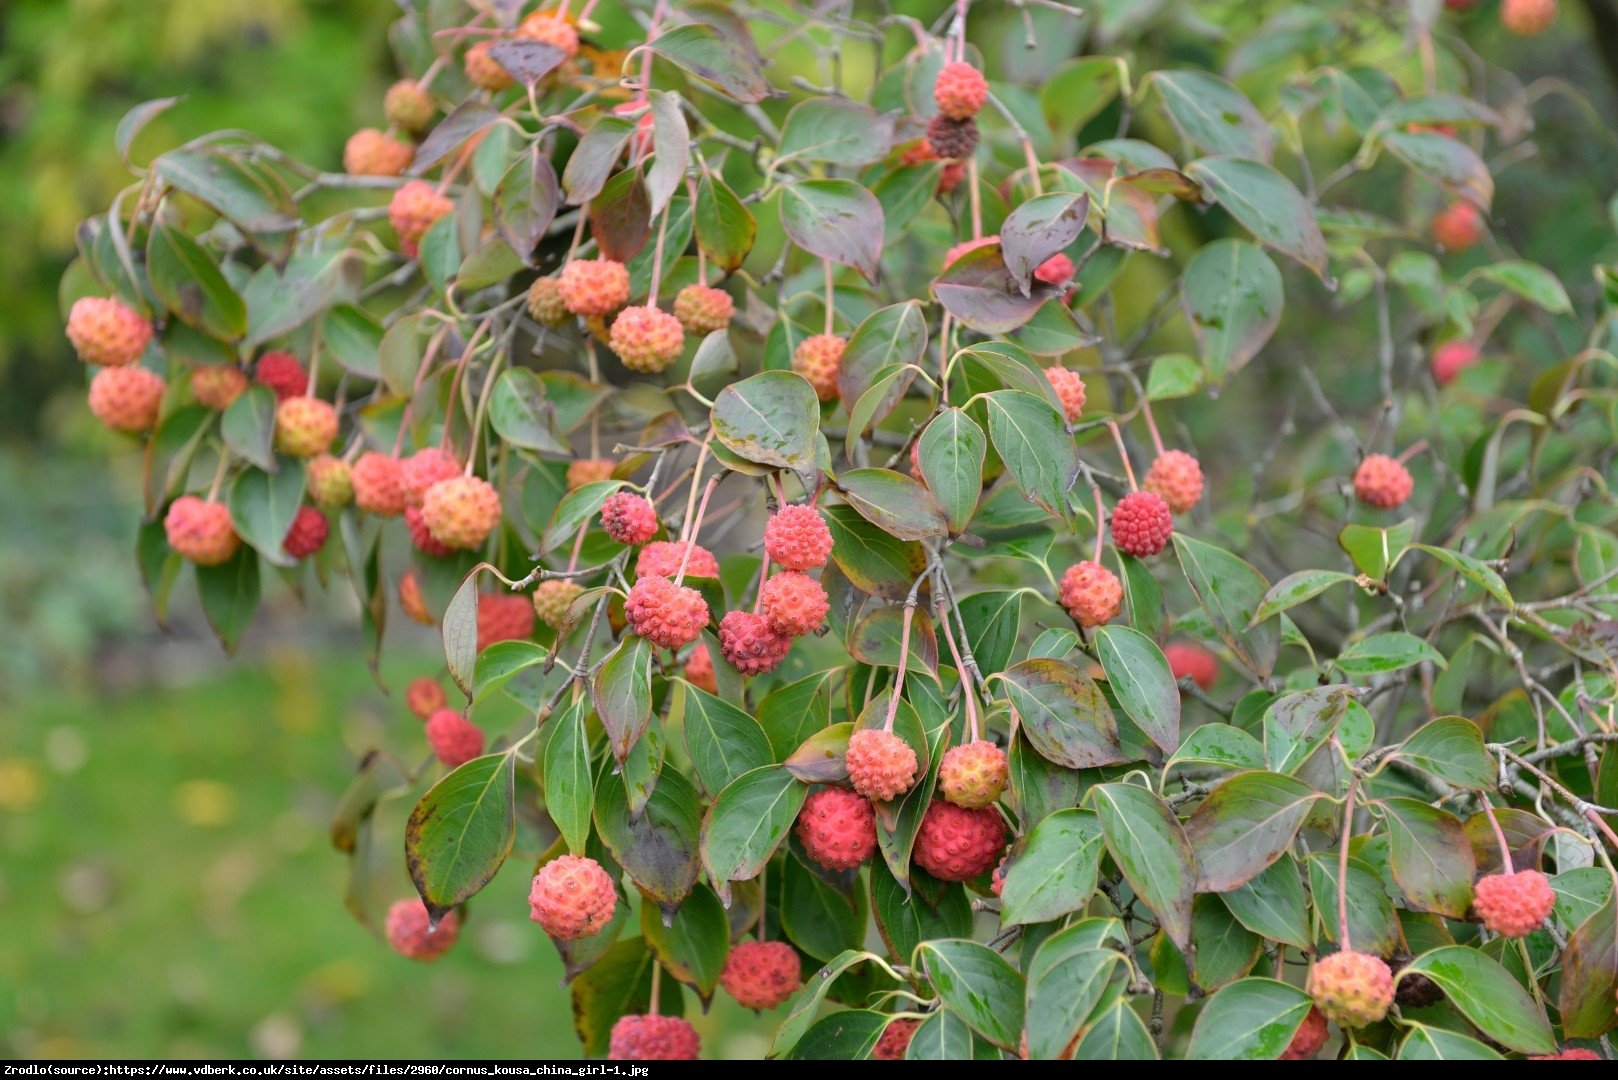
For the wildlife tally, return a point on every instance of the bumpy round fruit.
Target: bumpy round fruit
(593, 286)
(629, 518)
(455, 739)
(552, 598)
(952, 138)
(646, 338)
(1069, 387)
(572, 897)
(1308, 1039)
(794, 603)
(106, 331)
(881, 765)
(1513, 905)
(837, 828)
(283, 373)
(411, 602)
(1572, 1053)
(410, 106)
(1056, 270)
(895, 1040)
(960, 91)
(1458, 226)
(378, 481)
(750, 645)
(703, 309)
(698, 670)
(1451, 358)
(416, 207)
(549, 28)
(422, 537)
(425, 696)
(217, 386)
(653, 1038)
(761, 974)
(589, 471)
(304, 426)
(425, 468)
(127, 399)
(1527, 18)
(484, 70)
(330, 485)
(1187, 660)
(956, 844)
(409, 934)
(1141, 524)
(973, 774)
(1353, 989)
(461, 512)
(307, 534)
(545, 302)
(662, 558)
(504, 616)
(665, 614)
(370, 152)
(1176, 478)
(818, 358)
(1382, 482)
(200, 531)
(797, 538)
(1091, 593)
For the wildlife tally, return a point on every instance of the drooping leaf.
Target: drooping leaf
(1148, 844)
(658, 848)
(461, 832)
(837, 220)
(894, 503)
(1487, 995)
(979, 986)
(1244, 825)
(1056, 872)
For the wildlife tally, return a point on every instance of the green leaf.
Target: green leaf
(772, 418)
(569, 781)
(888, 338)
(1149, 846)
(716, 58)
(798, 1021)
(521, 415)
(747, 822)
(1273, 905)
(836, 130)
(1230, 591)
(525, 201)
(874, 561)
(188, 282)
(1425, 1043)
(1117, 1034)
(249, 197)
(1532, 282)
(1233, 298)
(1044, 226)
(1388, 651)
(1056, 873)
(979, 986)
(461, 831)
(671, 144)
(980, 290)
(622, 694)
(459, 629)
(1294, 589)
(1061, 997)
(1372, 926)
(725, 227)
(262, 506)
(789, 714)
(1077, 91)
(1267, 204)
(1430, 857)
(1032, 439)
(353, 338)
(694, 946)
(1220, 745)
(906, 919)
(574, 512)
(991, 619)
(1590, 974)
(229, 594)
(619, 984)
(1139, 677)
(1445, 161)
(1450, 748)
(1487, 995)
(248, 426)
(724, 742)
(1173, 376)
(1213, 114)
(817, 917)
(836, 220)
(1297, 725)
(1474, 570)
(1374, 550)
(1064, 714)
(894, 503)
(1249, 1020)
(1244, 825)
(842, 1036)
(942, 1036)
(951, 457)
(658, 849)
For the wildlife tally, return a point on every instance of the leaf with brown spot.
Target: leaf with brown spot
(461, 832)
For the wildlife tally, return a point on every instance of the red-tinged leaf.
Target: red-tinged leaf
(1244, 825)
(1590, 974)
(980, 290)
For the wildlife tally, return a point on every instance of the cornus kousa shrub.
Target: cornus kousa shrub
(1016, 534)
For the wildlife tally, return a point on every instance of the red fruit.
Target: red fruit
(1513, 905)
(411, 601)
(1176, 478)
(409, 106)
(997, 880)
(662, 558)
(1450, 358)
(973, 774)
(1527, 18)
(593, 286)
(629, 518)
(1192, 661)
(1141, 524)
(552, 598)
(956, 844)
(794, 603)
(1458, 226)
(1309, 1038)
(797, 538)
(369, 152)
(572, 897)
(461, 512)
(952, 139)
(107, 331)
(454, 739)
(200, 532)
(653, 1038)
(416, 207)
(330, 484)
(424, 696)
(837, 828)
(953, 255)
(895, 1040)
(484, 70)
(127, 399)
(422, 538)
(551, 29)
(1352, 988)
(216, 386)
(282, 372)
(698, 668)
(761, 974)
(1091, 593)
(589, 471)
(818, 358)
(1069, 387)
(1056, 270)
(304, 426)
(378, 482)
(307, 533)
(960, 91)
(1382, 482)
(545, 302)
(750, 644)
(504, 616)
(666, 614)
(646, 338)
(410, 937)
(425, 468)
(703, 309)
(881, 765)
(1572, 1053)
